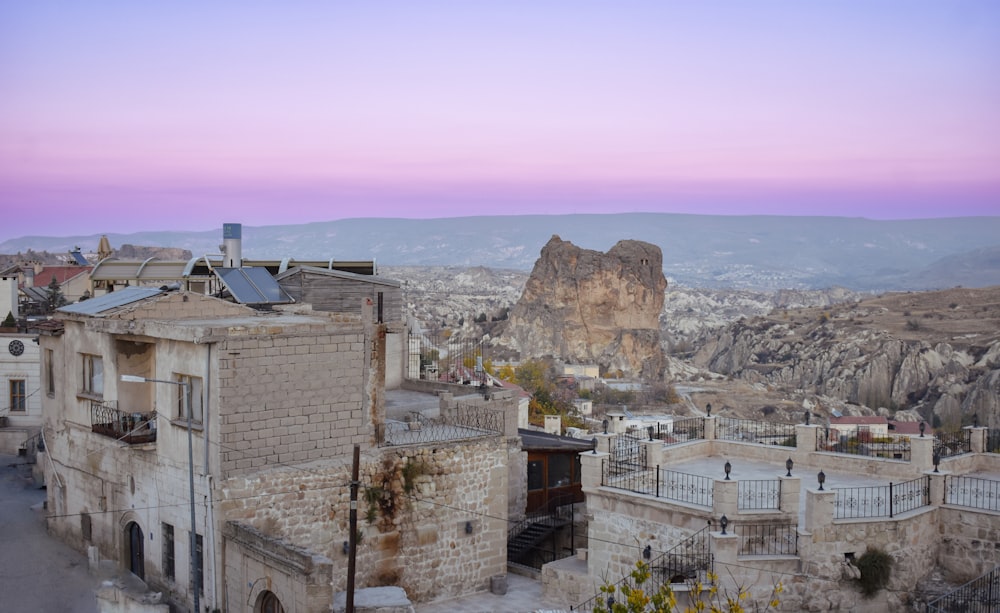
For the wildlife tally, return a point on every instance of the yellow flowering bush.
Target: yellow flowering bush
(634, 598)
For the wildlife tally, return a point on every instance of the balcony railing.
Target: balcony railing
(973, 492)
(132, 428)
(467, 423)
(753, 431)
(881, 500)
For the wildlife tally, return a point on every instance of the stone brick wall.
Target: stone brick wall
(417, 536)
(971, 545)
(292, 398)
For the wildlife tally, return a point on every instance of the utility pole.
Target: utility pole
(353, 527)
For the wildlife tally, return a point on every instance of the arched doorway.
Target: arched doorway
(268, 602)
(133, 550)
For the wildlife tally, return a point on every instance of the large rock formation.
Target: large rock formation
(944, 364)
(582, 306)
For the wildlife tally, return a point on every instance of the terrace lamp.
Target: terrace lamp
(936, 459)
(708, 409)
(647, 552)
(822, 479)
(923, 426)
(808, 416)
(605, 425)
(611, 602)
(594, 441)
(723, 521)
(975, 420)
(788, 465)
(728, 468)
(650, 430)
(187, 409)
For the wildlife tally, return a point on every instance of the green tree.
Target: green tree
(9, 321)
(54, 297)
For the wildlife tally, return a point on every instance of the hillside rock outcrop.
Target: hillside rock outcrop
(584, 306)
(866, 367)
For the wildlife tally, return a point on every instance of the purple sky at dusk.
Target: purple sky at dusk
(125, 116)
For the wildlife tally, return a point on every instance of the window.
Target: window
(93, 375)
(190, 396)
(17, 397)
(559, 475)
(50, 381)
(199, 563)
(168, 551)
(535, 478)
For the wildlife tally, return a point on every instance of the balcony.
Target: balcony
(132, 428)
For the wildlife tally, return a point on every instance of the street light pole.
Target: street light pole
(193, 540)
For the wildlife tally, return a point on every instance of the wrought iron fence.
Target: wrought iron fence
(446, 358)
(131, 428)
(759, 494)
(767, 539)
(689, 560)
(973, 492)
(863, 443)
(951, 444)
(981, 595)
(753, 431)
(628, 454)
(881, 500)
(682, 487)
(681, 431)
(993, 440)
(467, 422)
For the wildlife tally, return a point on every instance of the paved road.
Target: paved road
(37, 572)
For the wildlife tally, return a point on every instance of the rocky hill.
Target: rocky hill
(584, 306)
(934, 352)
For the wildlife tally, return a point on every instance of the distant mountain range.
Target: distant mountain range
(760, 252)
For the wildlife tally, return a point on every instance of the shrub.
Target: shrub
(642, 595)
(912, 324)
(876, 567)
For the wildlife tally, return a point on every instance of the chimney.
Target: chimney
(29, 276)
(232, 245)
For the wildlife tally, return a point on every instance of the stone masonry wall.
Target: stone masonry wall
(414, 505)
(971, 545)
(292, 398)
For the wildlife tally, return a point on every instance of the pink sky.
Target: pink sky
(122, 117)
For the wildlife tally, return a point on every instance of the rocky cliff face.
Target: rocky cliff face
(944, 363)
(584, 306)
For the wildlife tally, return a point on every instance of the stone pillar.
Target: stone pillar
(937, 486)
(725, 499)
(921, 452)
(819, 512)
(790, 487)
(805, 441)
(590, 468)
(604, 442)
(710, 428)
(553, 424)
(654, 453)
(977, 439)
(726, 549)
(616, 422)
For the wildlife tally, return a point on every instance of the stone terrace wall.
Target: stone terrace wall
(970, 546)
(417, 539)
(292, 398)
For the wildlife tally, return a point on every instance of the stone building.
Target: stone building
(21, 405)
(278, 398)
(761, 503)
